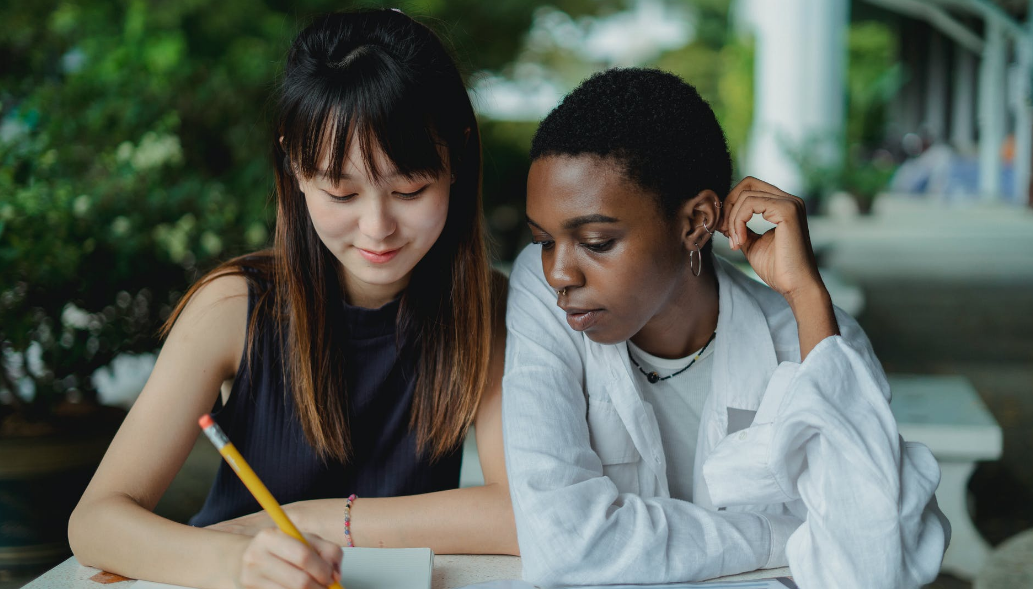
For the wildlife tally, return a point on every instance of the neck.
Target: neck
(686, 321)
(369, 296)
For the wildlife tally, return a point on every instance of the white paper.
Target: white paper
(370, 568)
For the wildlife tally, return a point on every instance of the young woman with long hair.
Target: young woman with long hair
(351, 358)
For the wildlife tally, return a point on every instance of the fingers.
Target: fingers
(776, 209)
(330, 552)
(748, 184)
(274, 559)
(280, 574)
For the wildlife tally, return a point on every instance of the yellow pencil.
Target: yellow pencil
(251, 481)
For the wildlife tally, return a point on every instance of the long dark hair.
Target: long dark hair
(387, 81)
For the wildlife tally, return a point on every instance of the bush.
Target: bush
(134, 141)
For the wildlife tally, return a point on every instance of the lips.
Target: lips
(581, 319)
(381, 257)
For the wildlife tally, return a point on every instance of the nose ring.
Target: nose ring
(562, 292)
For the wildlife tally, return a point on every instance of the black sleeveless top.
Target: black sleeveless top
(261, 421)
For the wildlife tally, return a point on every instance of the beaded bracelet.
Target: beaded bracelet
(348, 521)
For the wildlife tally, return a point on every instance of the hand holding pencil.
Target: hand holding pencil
(312, 563)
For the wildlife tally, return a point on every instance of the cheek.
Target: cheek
(330, 220)
(425, 219)
(636, 286)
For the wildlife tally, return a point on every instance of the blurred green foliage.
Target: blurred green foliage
(719, 63)
(134, 141)
(873, 77)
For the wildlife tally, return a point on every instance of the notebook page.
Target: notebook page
(387, 568)
(370, 568)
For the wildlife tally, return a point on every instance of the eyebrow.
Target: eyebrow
(575, 222)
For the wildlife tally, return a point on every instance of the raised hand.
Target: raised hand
(782, 257)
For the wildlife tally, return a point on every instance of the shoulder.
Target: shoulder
(213, 322)
(219, 295)
(227, 289)
(499, 296)
(529, 291)
(527, 274)
(528, 260)
(499, 284)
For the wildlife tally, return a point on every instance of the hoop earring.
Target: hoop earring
(699, 255)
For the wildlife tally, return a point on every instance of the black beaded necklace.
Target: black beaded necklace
(654, 378)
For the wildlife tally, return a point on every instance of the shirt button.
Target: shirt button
(742, 435)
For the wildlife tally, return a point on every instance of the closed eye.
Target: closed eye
(545, 243)
(411, 195)
(340, 198)
(599, 247)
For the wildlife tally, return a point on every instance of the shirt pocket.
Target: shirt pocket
(612, 443)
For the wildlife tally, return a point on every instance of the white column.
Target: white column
(936, 87)
(798, 83)
(963, 101)
(1024, 114)
(991, 110)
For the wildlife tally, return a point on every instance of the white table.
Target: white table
(946, 414)
(450, 572)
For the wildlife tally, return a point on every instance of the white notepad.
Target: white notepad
(371, 568)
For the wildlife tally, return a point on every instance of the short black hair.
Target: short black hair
(653, 123)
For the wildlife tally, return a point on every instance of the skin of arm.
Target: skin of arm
(782, 257)
(475, 520)
(113, 527)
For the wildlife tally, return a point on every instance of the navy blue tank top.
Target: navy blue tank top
(261, 421)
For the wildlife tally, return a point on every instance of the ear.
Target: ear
(698, 217)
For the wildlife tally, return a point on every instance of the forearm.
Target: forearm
(475, 520)
(117, 534)
(815, 316)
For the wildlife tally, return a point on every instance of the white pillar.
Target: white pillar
(962, 110)
(991, 110)
(936, 87)
(1024, 115)
(798, 84)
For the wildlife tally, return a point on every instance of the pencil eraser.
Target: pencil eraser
(206, 421)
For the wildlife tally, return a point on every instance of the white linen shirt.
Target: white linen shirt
(820, 480)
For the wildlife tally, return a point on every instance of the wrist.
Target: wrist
(298, 512)
(810, 298)
(235, 545)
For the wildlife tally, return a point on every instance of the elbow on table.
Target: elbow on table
(80, 539)
(557, 562)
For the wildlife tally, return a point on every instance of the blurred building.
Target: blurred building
(967, 92)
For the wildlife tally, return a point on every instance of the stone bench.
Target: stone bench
(946, 414)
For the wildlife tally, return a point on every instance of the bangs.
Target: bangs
(368, 98)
